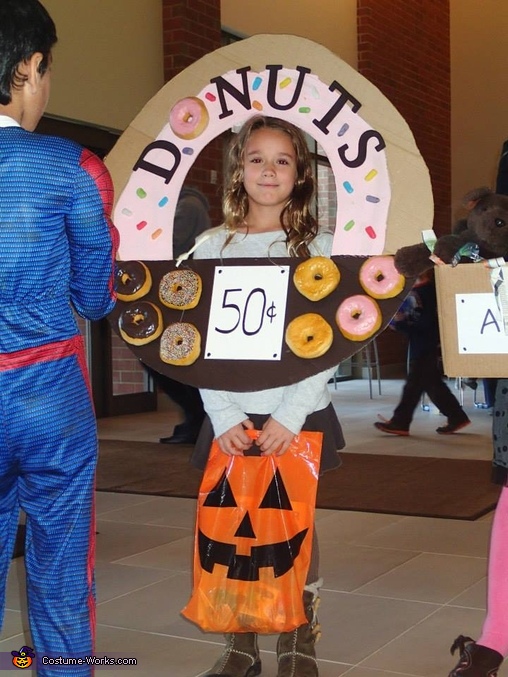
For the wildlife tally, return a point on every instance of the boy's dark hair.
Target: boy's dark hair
(25, 28)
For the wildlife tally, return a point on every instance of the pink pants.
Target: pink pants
(495, 628)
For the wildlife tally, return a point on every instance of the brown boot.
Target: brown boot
(475, 660)
(295, 649)
(240, 657)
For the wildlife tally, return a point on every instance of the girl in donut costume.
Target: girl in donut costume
(58, 249)
(266, 207)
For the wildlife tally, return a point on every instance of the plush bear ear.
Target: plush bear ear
(413, 260)
(472, 198)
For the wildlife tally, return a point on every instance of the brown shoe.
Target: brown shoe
(475, 660)
(390, 427)
(296, 655)
(240, 657)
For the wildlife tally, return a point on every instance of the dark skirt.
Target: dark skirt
(325, 421)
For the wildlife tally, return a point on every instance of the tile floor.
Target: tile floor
(397, 590)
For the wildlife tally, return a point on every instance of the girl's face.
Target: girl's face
(269, 168)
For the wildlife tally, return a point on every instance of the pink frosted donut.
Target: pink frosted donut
(188, 118)
(358, 317)
(380, 279)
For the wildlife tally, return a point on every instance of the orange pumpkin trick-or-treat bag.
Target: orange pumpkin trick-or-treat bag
(253, 541)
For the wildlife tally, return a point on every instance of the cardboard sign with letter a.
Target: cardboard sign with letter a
(474, 341)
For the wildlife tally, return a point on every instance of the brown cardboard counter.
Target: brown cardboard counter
(470, 323)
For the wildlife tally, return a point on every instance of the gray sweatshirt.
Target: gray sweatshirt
(289, 405)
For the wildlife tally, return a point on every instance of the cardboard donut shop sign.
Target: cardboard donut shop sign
(384, 201)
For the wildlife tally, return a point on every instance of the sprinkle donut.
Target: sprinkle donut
(180, 289)
(133, 280)
(309, 336)
(140, 323)
(180, 344)
(316, 277)
(358, 317)
(188, 118)
(380, 278)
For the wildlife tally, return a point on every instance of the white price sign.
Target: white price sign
(247, 313)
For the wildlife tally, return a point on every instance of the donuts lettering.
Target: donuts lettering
(309, 336)
(380, 279)
(358, 317)
(133, 280)
(316, 277)
(140, 323)
(180, 344)
(188, 118)
(180, 289)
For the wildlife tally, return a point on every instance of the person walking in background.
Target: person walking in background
(267, 213)
(191, 219)
(417, 317)
(58, 249)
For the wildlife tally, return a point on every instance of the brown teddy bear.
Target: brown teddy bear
(485, 228)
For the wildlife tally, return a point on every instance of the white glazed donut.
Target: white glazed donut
(380, 279)
(358, 317)
(188, 118)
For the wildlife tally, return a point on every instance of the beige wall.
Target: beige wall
(332, 23)
(108, 60)
(108, 64)
(479, 34)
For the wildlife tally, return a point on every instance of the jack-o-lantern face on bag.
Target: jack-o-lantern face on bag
(253, 539)
(280, 549)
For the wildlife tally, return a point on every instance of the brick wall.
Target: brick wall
(404, 49)
(192, 29)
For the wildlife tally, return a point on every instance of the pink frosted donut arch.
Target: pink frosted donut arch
(378, 173)
(188, 118)
(380, 279)
(358, 317)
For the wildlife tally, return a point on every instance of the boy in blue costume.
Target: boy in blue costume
(58, 247)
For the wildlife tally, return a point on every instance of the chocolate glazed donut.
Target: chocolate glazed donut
(140, 323)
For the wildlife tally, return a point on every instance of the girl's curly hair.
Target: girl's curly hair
(296, 219)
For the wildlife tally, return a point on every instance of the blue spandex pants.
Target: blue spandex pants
(48, 453)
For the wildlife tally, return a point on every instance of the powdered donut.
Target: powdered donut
(140, 323)
(133, 280)
(309, 336)
(180, 344)
(180, 289)
(316, 277)
(358, 317)
(188, 118)
(380, 279)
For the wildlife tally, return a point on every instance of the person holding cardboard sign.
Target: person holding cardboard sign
(267, 214)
